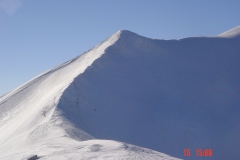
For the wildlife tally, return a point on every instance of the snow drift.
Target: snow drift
(165, 95)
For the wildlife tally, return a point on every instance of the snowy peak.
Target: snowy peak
(235, 32)
(126, 32)
(127, 40)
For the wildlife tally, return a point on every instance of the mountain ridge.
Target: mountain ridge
(126, 80)
(120, 52)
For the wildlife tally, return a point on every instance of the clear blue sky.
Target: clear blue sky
(36, 35)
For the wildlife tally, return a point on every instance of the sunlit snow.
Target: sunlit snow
(127, 92)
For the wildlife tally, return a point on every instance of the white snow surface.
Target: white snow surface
(32, 122)
(127, 92)
(235, 32)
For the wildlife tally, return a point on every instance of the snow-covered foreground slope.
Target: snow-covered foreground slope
(66, 148)
(165, 95)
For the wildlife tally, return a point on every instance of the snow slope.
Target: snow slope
(165, 95)
(32, 123)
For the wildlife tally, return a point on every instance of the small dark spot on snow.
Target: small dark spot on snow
(125, 146)
(44, 113)
(33, 157)
(95, 147)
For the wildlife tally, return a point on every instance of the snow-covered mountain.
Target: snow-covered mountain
(130, 91)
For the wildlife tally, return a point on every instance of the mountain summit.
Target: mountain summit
(129, 91)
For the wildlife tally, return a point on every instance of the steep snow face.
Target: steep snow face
(163, 95)
(235, 32)
(33, 103)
